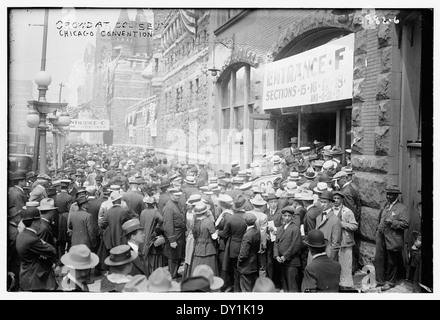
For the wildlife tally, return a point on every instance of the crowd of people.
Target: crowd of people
(145, 224)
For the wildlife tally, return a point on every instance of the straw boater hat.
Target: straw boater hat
(149, 200)
(339, 175)
(307, 195)
(310, 173)
(190, 180)
(193, 199)
(276, 159)
(321, 187)
(138, 283)
(226, 199)
(206, 271)
(200, 208)
(294, 176)
(246, 186)
(291, 185)
(304, 149)
(80, 257)
(120, 255)
(393, 189)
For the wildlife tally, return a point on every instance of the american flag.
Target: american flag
(189, 19)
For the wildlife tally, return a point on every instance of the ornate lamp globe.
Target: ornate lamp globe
(32, 119)
(43, 79)
(64, 119)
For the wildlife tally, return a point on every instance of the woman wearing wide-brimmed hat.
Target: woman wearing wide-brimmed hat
(152, 223)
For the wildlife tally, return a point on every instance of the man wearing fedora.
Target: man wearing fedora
(134, 233)
(393, 221)
(259, 205)
(47, 210)
(134, 199)
(111, 224)
(234, 231)
(39, 192)
(80, 224)
(119, 263)
(164, 197)
(321, 273)
(36, 255)
(13, 260)
(79, 262)
(16, 196)
(174, 229)
(330, 225)
(287, 249)
(247, 262)
(63, 202)
(352, 201)
(349, 226)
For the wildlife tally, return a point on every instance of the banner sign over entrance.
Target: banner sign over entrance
(319, 75)
(89, 125)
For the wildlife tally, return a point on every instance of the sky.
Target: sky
(64, 55)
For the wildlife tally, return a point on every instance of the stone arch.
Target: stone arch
(238, 58)
(320, 19)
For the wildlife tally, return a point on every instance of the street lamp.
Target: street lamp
(42, 108)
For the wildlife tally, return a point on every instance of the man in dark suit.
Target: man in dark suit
(287, 249)
(174, 229)
(321, 274)
(235, 229)
(164, 195)
(247, 262)
(16, 196)
(47, 209)
(13, 260)
(134, 233)
(134, 199)
(36, 255)
(94, 205)
(111, 222)
(63, 202)
(393, 221)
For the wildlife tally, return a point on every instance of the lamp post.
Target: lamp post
(39, 110)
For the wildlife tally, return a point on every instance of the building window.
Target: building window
(224, 15)
(233, 96)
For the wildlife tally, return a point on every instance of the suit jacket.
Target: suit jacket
(38, 194)
(174, 229)
(134, 202)
(163, 199)
(332, 230)
(13, 263)
(17, 198)
(352, 200)
(45, 233)
(248, 256)
(82, 229)
(152, 222)
(235, 229)
(202, 178)
(138, 265)
(321, 275)
(63, 201)
(94, 206)
(36, 259)
(394, 233)
(113, 220)
(288, 242)
(310, 218)
(349, 226)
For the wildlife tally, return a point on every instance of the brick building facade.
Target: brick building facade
(216, 82)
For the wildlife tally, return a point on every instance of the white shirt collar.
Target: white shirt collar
(286, 225)
(249, 227)
(134, 246)
(312, 205)
(20, 188)
(319, 254)
(45, 220)
(328, 210)
(346, 184)
(32, 230)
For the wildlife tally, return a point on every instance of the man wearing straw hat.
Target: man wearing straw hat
(79, 261)
(261, 224)
(47, 209)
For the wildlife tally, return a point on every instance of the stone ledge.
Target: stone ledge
(368, 163)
